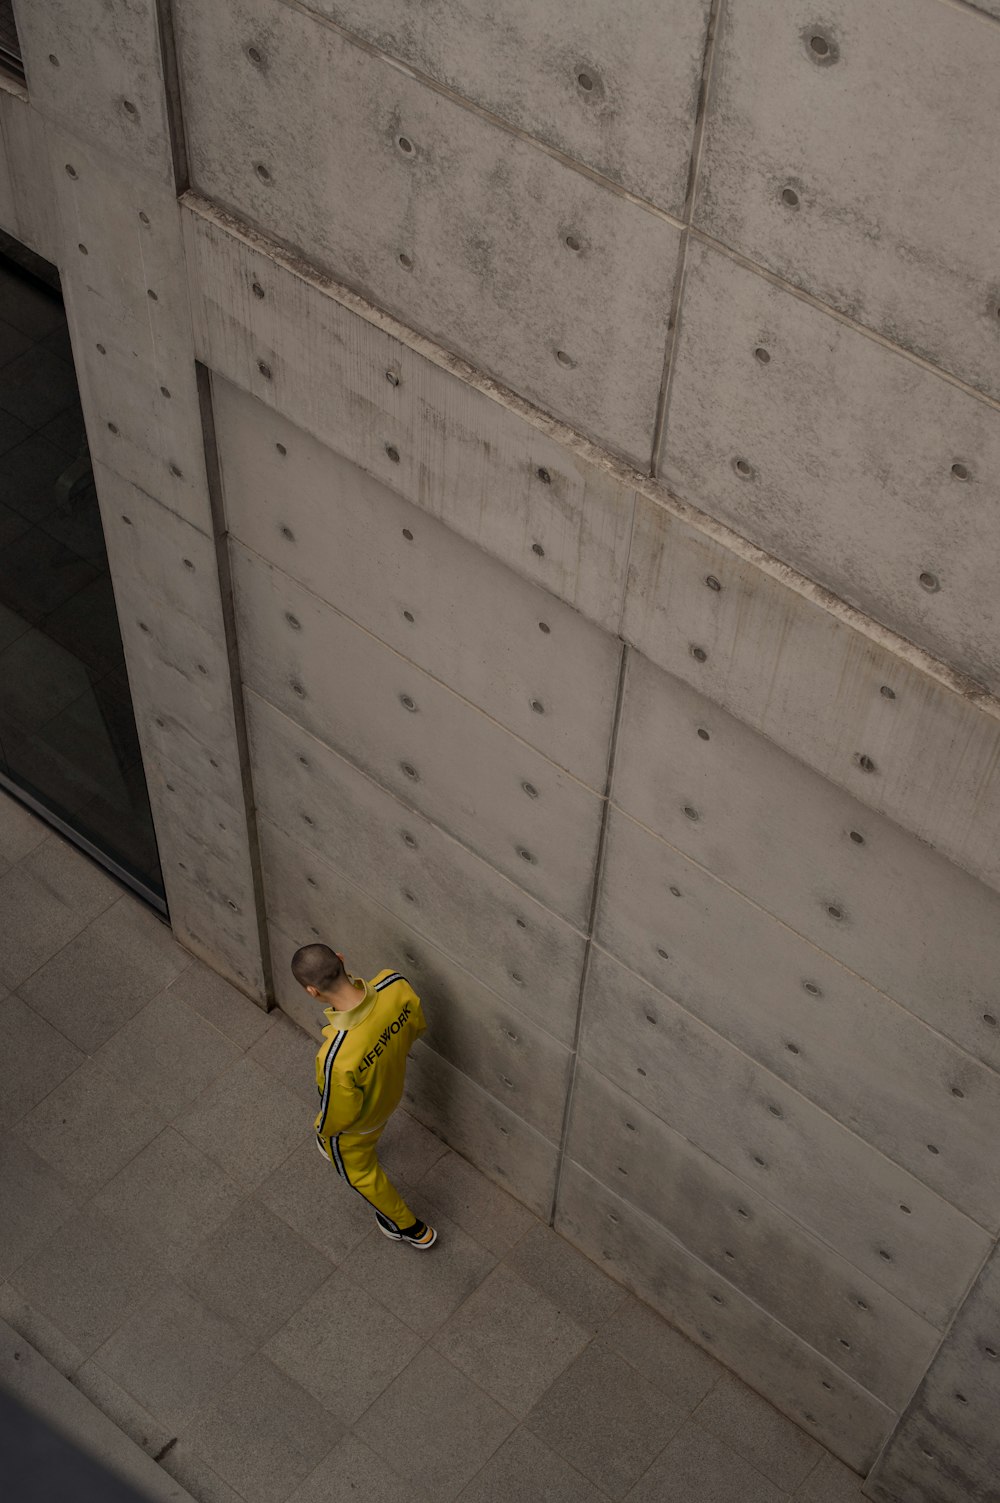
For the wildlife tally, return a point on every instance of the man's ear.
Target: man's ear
(313, 991)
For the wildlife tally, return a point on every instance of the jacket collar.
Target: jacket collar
(351, 1017)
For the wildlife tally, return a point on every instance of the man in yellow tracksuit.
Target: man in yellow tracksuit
(360, 1070)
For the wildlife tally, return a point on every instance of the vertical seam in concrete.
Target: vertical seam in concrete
(594, 899)
(895, 1433)
(220, 537)
(172, 94)
(694, 166)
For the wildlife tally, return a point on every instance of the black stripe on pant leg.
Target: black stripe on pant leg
(342, 1170)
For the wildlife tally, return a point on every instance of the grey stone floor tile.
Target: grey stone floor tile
(20, 830)
(88, 1279)
(36, 385)
(35, 1201)
(13, 342)
(30, 309)
(174, 1356)
(192, 1471)
(574, 1284)
(170, 1196)
(290, 1055)
(407, 1149)
(605, 1419)
(167, 1054)
(254, 1271)
(487, 1213)
(246, 1121)
(308, 1194)
(830, 1481)
(510, 1339)
(525, 1470)
(434, 1426)
(46, 1337)
(89, 1127)
(343, 1347)
(680, 1370)
(225, 1008)
(46, 899)
(698, 1468)
(422, 1288)
(106, 974)
(140, 1426)
(264, 1434)
(755, 1430)
(34, 1059)
(352, 1473)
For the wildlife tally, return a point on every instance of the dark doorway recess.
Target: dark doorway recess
(68, 744)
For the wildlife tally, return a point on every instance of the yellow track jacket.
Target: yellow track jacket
(361, 1065)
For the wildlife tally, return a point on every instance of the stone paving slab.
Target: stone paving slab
(173, 1245)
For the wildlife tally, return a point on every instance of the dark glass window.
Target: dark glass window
(10, 47)
(68, 744)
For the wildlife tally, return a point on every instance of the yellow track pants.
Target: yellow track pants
(355, 1157)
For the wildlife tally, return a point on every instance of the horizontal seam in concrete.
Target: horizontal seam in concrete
(810, 298)
(449, 688)
(970, 8)
(744, 897)
(814, 1105)
(883, 637)
(507, 126)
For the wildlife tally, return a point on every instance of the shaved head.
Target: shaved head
(318, 966)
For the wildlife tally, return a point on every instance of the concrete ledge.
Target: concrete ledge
(56, 1443)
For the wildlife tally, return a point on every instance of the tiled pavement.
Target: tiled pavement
(171, 1240)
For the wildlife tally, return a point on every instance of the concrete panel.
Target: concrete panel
(167, 592)
(343, 370)
(888, 158)
(844, 1045)
(867, 471)
(825, 684)
(128, 307)
(481, 1129)
(634, 122)
(946, 1448)
(407, 865)
(792, 1375)
(498, 1046)
(27, 210)
(454, 764)
(491, 636)
(830, 1181)
(203, 851)
(97, 68)
(875, 1339)
(913, 924)
(356, 164)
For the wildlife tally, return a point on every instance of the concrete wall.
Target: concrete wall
(552, 497)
